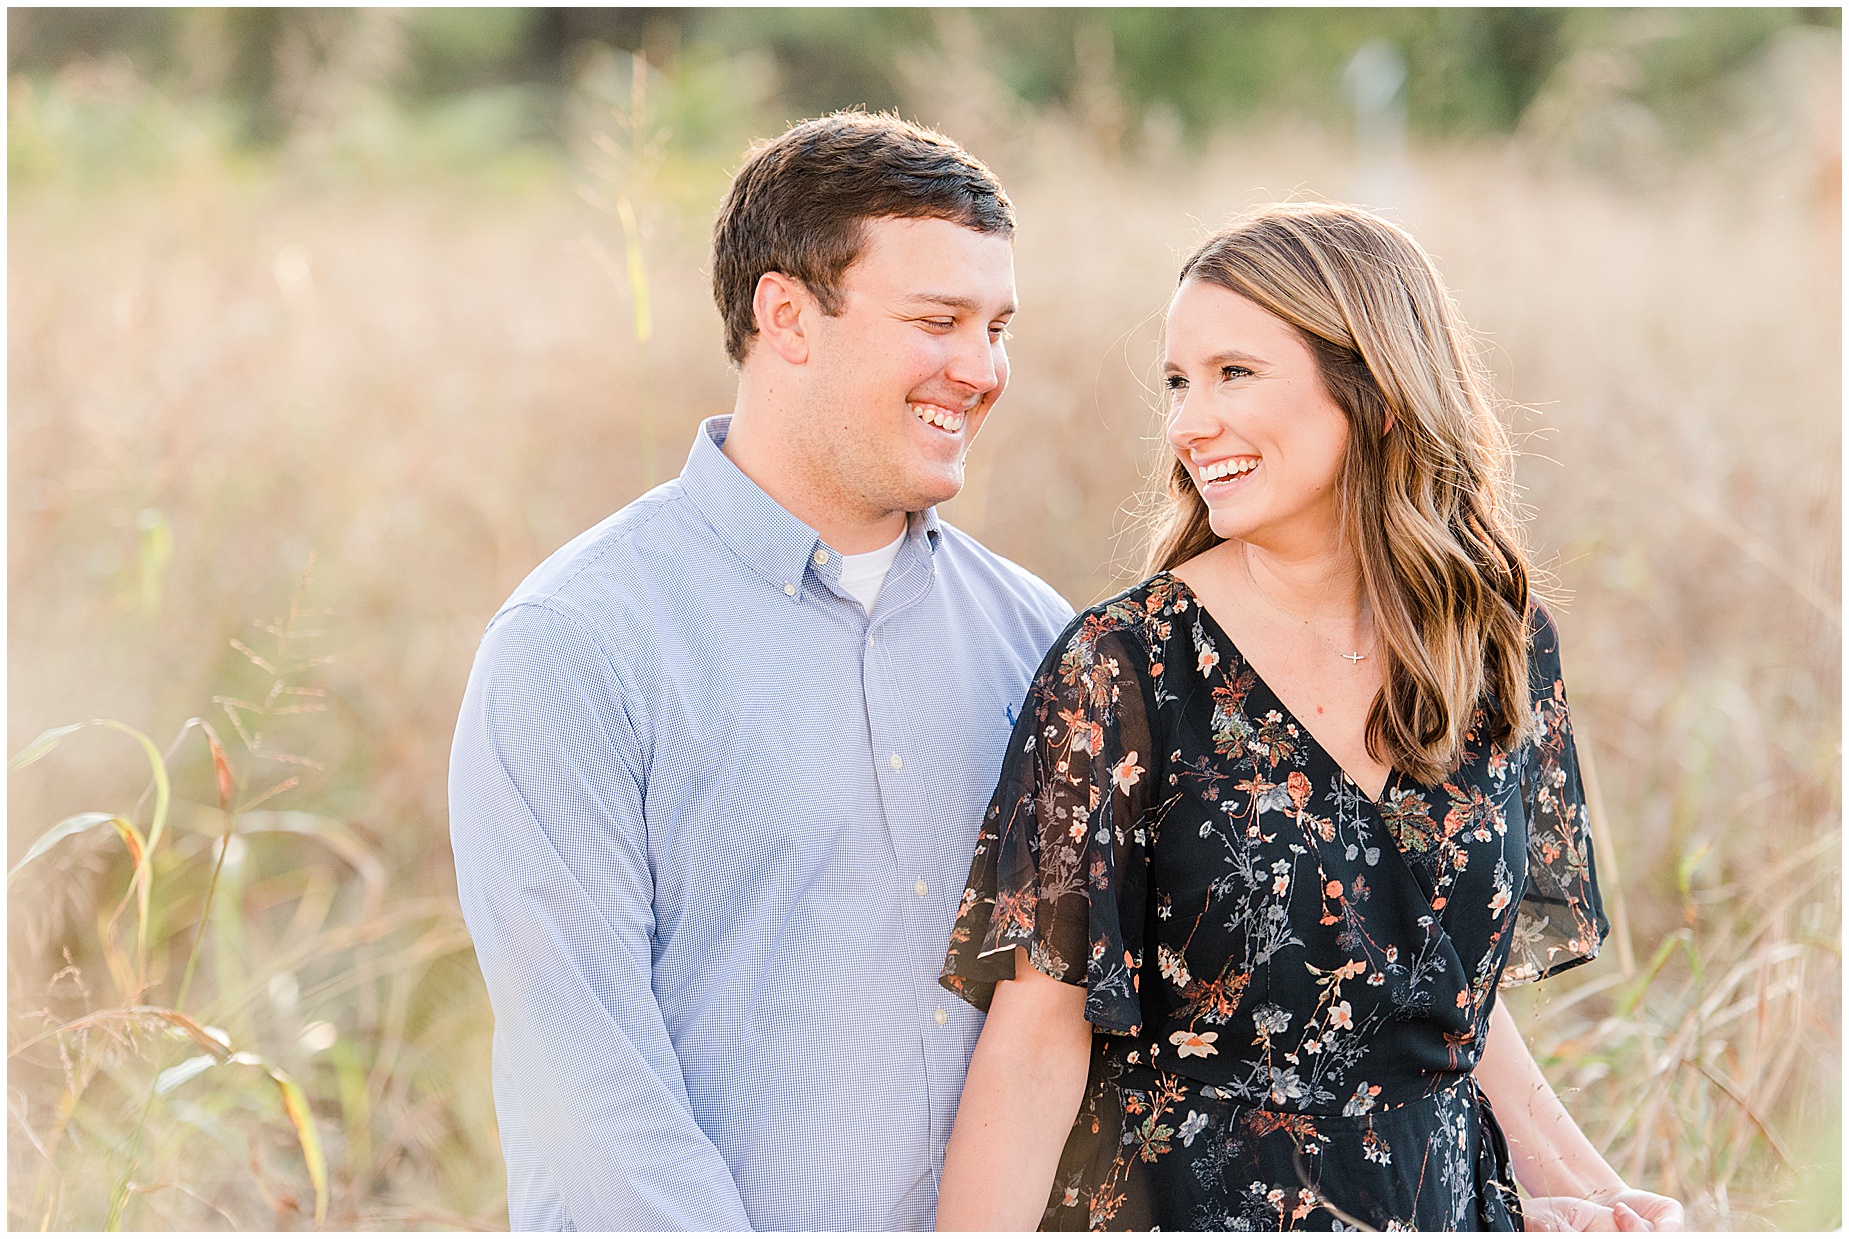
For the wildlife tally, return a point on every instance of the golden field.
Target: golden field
(423, 379)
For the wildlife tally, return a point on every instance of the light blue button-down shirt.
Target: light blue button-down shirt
(711, 824)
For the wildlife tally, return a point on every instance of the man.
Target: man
(722, 759)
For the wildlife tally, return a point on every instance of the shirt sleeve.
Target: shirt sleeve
(1561, 921)
(546, 784)
(1061, 864)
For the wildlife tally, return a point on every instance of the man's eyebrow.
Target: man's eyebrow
(952, 301)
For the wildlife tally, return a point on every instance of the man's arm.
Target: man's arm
(546, 781)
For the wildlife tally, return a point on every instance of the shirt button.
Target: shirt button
(789, 589)
(896, 762)
(821, 557)
(942, 1016)
(921, 888)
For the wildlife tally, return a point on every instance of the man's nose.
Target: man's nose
(975, 365)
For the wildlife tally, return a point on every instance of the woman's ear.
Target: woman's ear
(783, 308)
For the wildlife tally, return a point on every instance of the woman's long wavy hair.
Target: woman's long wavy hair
(1426, 491)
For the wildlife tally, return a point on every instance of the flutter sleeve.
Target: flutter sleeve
(1561, 921)
(1061, 862)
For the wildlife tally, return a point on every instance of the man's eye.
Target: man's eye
(999, 332)
(940, 324)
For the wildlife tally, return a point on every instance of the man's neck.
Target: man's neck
(851, 529)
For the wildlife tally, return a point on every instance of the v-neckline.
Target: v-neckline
(1393, 774)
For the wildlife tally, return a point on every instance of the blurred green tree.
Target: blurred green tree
(1470, 70)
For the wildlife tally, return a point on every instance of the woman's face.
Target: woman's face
(1249, 417)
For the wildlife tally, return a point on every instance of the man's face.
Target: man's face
(899, 382)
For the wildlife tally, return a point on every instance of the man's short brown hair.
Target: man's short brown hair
(797, 206)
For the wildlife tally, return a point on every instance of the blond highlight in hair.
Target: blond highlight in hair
(1427, 488)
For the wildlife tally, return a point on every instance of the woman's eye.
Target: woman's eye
(1174, 382)
(1233, 372)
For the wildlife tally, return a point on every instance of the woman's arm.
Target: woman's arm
(1025, 1082)
(1552, 1158)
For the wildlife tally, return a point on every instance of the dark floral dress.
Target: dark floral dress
(1289, 983)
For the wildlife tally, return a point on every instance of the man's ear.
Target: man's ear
(784, 309)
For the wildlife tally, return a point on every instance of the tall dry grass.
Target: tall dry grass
(219, 371)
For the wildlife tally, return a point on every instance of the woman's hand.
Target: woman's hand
(1567, 1213)
(1613, 1209)
(1655, 1212)
(1574, 1213)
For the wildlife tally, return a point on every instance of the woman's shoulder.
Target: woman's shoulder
(1543, 636)
(1546, 684)
(1148, 607)
(1146, 614)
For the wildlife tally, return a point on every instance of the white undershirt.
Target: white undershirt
(862, 575)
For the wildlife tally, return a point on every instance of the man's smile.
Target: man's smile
(950, 420)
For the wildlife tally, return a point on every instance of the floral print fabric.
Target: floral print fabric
(1289, 983)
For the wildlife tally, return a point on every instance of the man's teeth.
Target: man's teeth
(1228, 468)
(942, 418)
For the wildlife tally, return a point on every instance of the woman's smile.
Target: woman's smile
(1224, 478)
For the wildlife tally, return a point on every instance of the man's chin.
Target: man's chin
(918, 498)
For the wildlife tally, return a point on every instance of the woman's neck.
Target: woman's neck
(1319, 585)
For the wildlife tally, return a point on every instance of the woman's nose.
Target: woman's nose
(1186, 425)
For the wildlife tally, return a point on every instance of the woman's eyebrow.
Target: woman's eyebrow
(1235, 356)
(1226, 357)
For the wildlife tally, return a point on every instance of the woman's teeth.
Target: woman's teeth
(1228, 468)
(937, 415)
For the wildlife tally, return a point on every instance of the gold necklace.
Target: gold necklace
(1245, 558)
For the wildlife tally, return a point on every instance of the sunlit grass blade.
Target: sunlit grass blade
(204, 1038)
(295, 1105)
(142, 846)
(173, 1077)
(295, 1102)
(76, 825)
(43, 744)
(157, 770)
(221, 766)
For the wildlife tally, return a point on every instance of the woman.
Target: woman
(1276, 822)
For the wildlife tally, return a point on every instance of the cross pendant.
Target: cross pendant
(1354, 658)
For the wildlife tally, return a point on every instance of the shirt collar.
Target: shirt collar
(757, 528)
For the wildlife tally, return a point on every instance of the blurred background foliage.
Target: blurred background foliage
(500, 78)
(1474, 70)
(327, 325)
